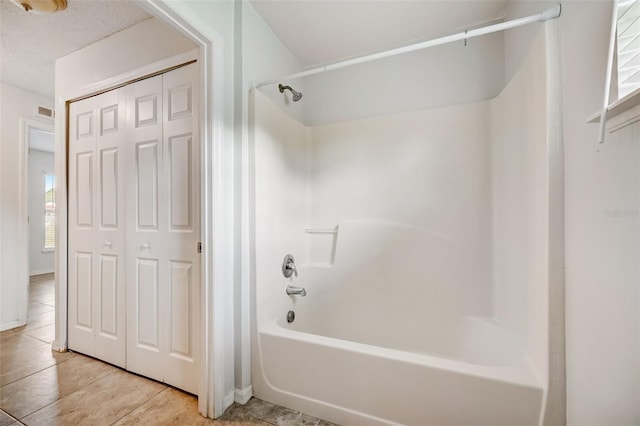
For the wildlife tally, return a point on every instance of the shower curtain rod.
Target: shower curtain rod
(550, 13)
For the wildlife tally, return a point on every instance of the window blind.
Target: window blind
(628, 46)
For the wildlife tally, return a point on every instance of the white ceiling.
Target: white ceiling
(30, 44)
(321, 31)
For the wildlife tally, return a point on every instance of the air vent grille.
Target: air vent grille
(44, 112)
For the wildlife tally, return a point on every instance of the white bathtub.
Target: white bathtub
(386, 340)
(348, 382)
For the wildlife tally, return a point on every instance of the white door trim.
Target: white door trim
(216, 194)
(23, 212)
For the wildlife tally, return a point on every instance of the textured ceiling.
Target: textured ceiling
(30, 44)
(321, 31)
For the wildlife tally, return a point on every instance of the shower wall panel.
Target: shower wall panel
(281, 198)
(520, 193)
(429, 170)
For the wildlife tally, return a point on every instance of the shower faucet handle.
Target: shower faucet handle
(289, 266)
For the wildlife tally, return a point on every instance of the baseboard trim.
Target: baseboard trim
(228, 400)
(12, 324)
(242, 396)
(41, 271)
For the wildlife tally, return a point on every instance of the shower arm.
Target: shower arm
(551, 13)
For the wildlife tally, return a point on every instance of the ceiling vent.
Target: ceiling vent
(44, 112)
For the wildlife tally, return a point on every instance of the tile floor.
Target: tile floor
(41, 387)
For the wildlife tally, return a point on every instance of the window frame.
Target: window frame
(49, 221)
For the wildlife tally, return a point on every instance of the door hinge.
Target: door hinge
(199, 247)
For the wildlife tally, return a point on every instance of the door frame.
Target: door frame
(23, 211)
(216, 192)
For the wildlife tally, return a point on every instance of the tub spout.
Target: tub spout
(297, 291)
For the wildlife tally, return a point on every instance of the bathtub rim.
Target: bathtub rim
(265, 389)
(521, 373)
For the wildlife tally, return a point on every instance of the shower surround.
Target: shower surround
(422, 240)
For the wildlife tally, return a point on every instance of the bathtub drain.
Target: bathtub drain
(291, 316)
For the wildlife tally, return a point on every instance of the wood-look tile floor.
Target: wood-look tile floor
(42, 387)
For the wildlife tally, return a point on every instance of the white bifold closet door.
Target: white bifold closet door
(163, 228)
(134, 228)
(96, 228)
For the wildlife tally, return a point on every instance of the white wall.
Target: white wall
(41, 163)
(15, 103)
(408, 82)
(602, 251)
(144, 43)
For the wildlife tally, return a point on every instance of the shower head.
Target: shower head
(296, 95)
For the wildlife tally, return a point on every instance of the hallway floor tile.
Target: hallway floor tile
(42, 387)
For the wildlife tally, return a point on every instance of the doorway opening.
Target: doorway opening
(41, 200)
(37, 202)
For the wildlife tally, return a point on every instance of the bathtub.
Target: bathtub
(378, 345)
(351, 382)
